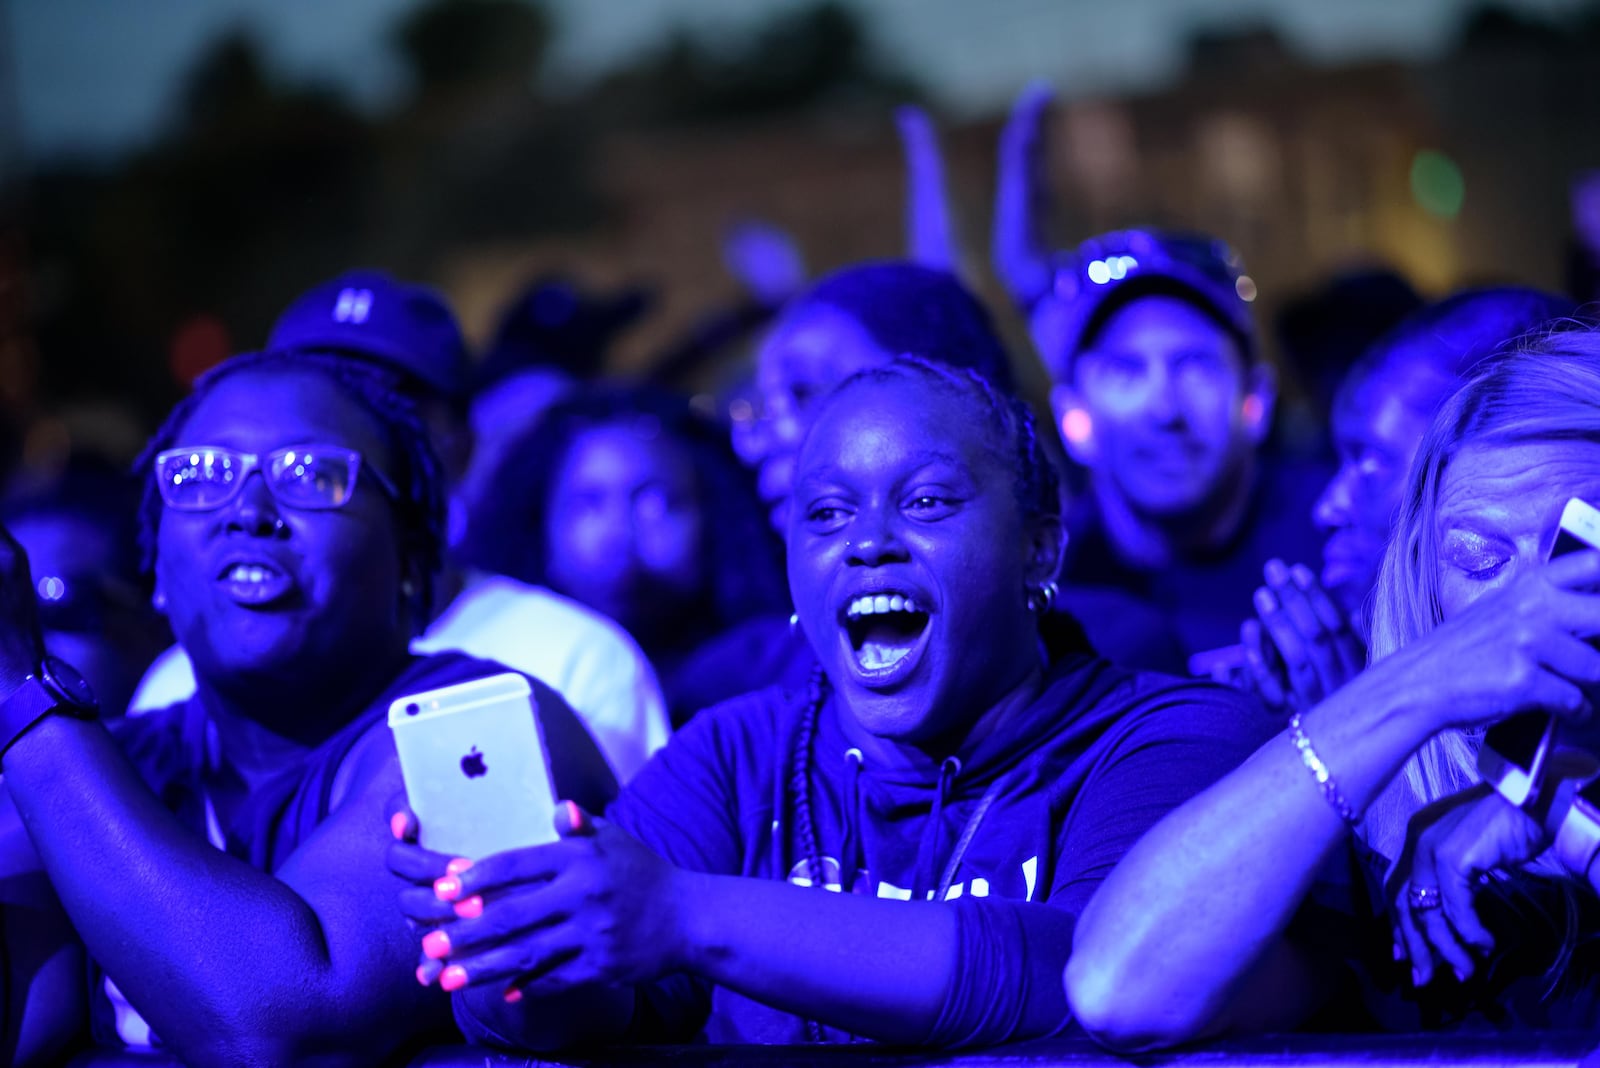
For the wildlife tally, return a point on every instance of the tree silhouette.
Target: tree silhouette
(456, 44)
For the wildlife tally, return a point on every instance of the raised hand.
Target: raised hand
(1020, 248)
(1302, 647)
(765, 260)
(1586, 210)
(930, 236)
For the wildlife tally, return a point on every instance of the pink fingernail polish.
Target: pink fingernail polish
(512, 995)
(424, 975)
(471, 908)
(458, 865)
(397, 826)
(453, 978)
(447, 887)
(436, 945)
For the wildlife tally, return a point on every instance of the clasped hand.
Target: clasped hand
(594, 907)
(1302, 648)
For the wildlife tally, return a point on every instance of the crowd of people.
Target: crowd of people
(880, 707)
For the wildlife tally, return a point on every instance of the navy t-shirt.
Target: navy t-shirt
(1076, 778)
(170, 749)
(1207, 596)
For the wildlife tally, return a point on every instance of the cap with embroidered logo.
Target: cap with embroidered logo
(371, 315)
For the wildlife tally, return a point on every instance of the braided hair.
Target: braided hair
(417, 474)
(1037, 483)
(1037, 486)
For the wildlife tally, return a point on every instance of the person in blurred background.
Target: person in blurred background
(1310, 630)
(1472, 622)
(1162, 398)
(222, 858)
(628, 502)
(1321, 333)
(80, 533)
(957, 782)
(858, 317)
(409, 329)
(1583, 263)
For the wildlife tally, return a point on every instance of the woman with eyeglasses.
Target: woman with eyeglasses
(222, 859)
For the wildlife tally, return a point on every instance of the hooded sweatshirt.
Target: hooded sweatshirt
(1046, 804)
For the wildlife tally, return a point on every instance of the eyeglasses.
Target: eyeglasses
(198, 478)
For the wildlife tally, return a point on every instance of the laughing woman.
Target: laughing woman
(965, 794)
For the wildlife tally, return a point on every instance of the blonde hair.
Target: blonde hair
(1548, 390)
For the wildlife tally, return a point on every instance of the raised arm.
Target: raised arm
(930, 235)
(1186, 939)
(1020, 247)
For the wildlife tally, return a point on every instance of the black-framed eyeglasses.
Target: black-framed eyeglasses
(198, 478)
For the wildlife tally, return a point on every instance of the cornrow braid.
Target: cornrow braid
(419, 475)
(800, 792)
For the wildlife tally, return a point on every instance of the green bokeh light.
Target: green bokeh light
(1437, 184)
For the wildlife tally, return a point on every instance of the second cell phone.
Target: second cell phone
(475, 766)
(1515, 749)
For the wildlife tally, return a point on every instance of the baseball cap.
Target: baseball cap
(370, 315)
(1108, 272)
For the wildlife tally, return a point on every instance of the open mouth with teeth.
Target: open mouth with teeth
(886, 634)
(255, 582)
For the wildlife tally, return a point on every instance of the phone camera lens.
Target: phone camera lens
(413, 708)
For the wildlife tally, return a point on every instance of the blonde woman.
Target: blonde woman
(1191, 936)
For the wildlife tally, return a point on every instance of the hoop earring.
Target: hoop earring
(1041, 600)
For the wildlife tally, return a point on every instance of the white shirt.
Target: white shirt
(575, 651)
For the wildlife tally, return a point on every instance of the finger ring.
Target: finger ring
(1423, 898)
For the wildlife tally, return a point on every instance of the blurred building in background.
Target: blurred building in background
(142, 272)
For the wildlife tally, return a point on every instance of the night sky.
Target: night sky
(97, 75)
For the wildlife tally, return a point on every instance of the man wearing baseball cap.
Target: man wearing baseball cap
(410, 330)
(1163, 400)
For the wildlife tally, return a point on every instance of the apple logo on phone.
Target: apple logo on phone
(472, 765)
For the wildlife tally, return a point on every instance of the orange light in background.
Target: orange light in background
(1076, 426)
(198, 345)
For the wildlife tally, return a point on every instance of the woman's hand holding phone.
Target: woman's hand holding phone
(593, 907)
(1522, 648)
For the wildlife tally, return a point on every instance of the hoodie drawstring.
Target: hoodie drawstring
(852, 857)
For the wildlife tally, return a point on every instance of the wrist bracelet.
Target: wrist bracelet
(1320, 772)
